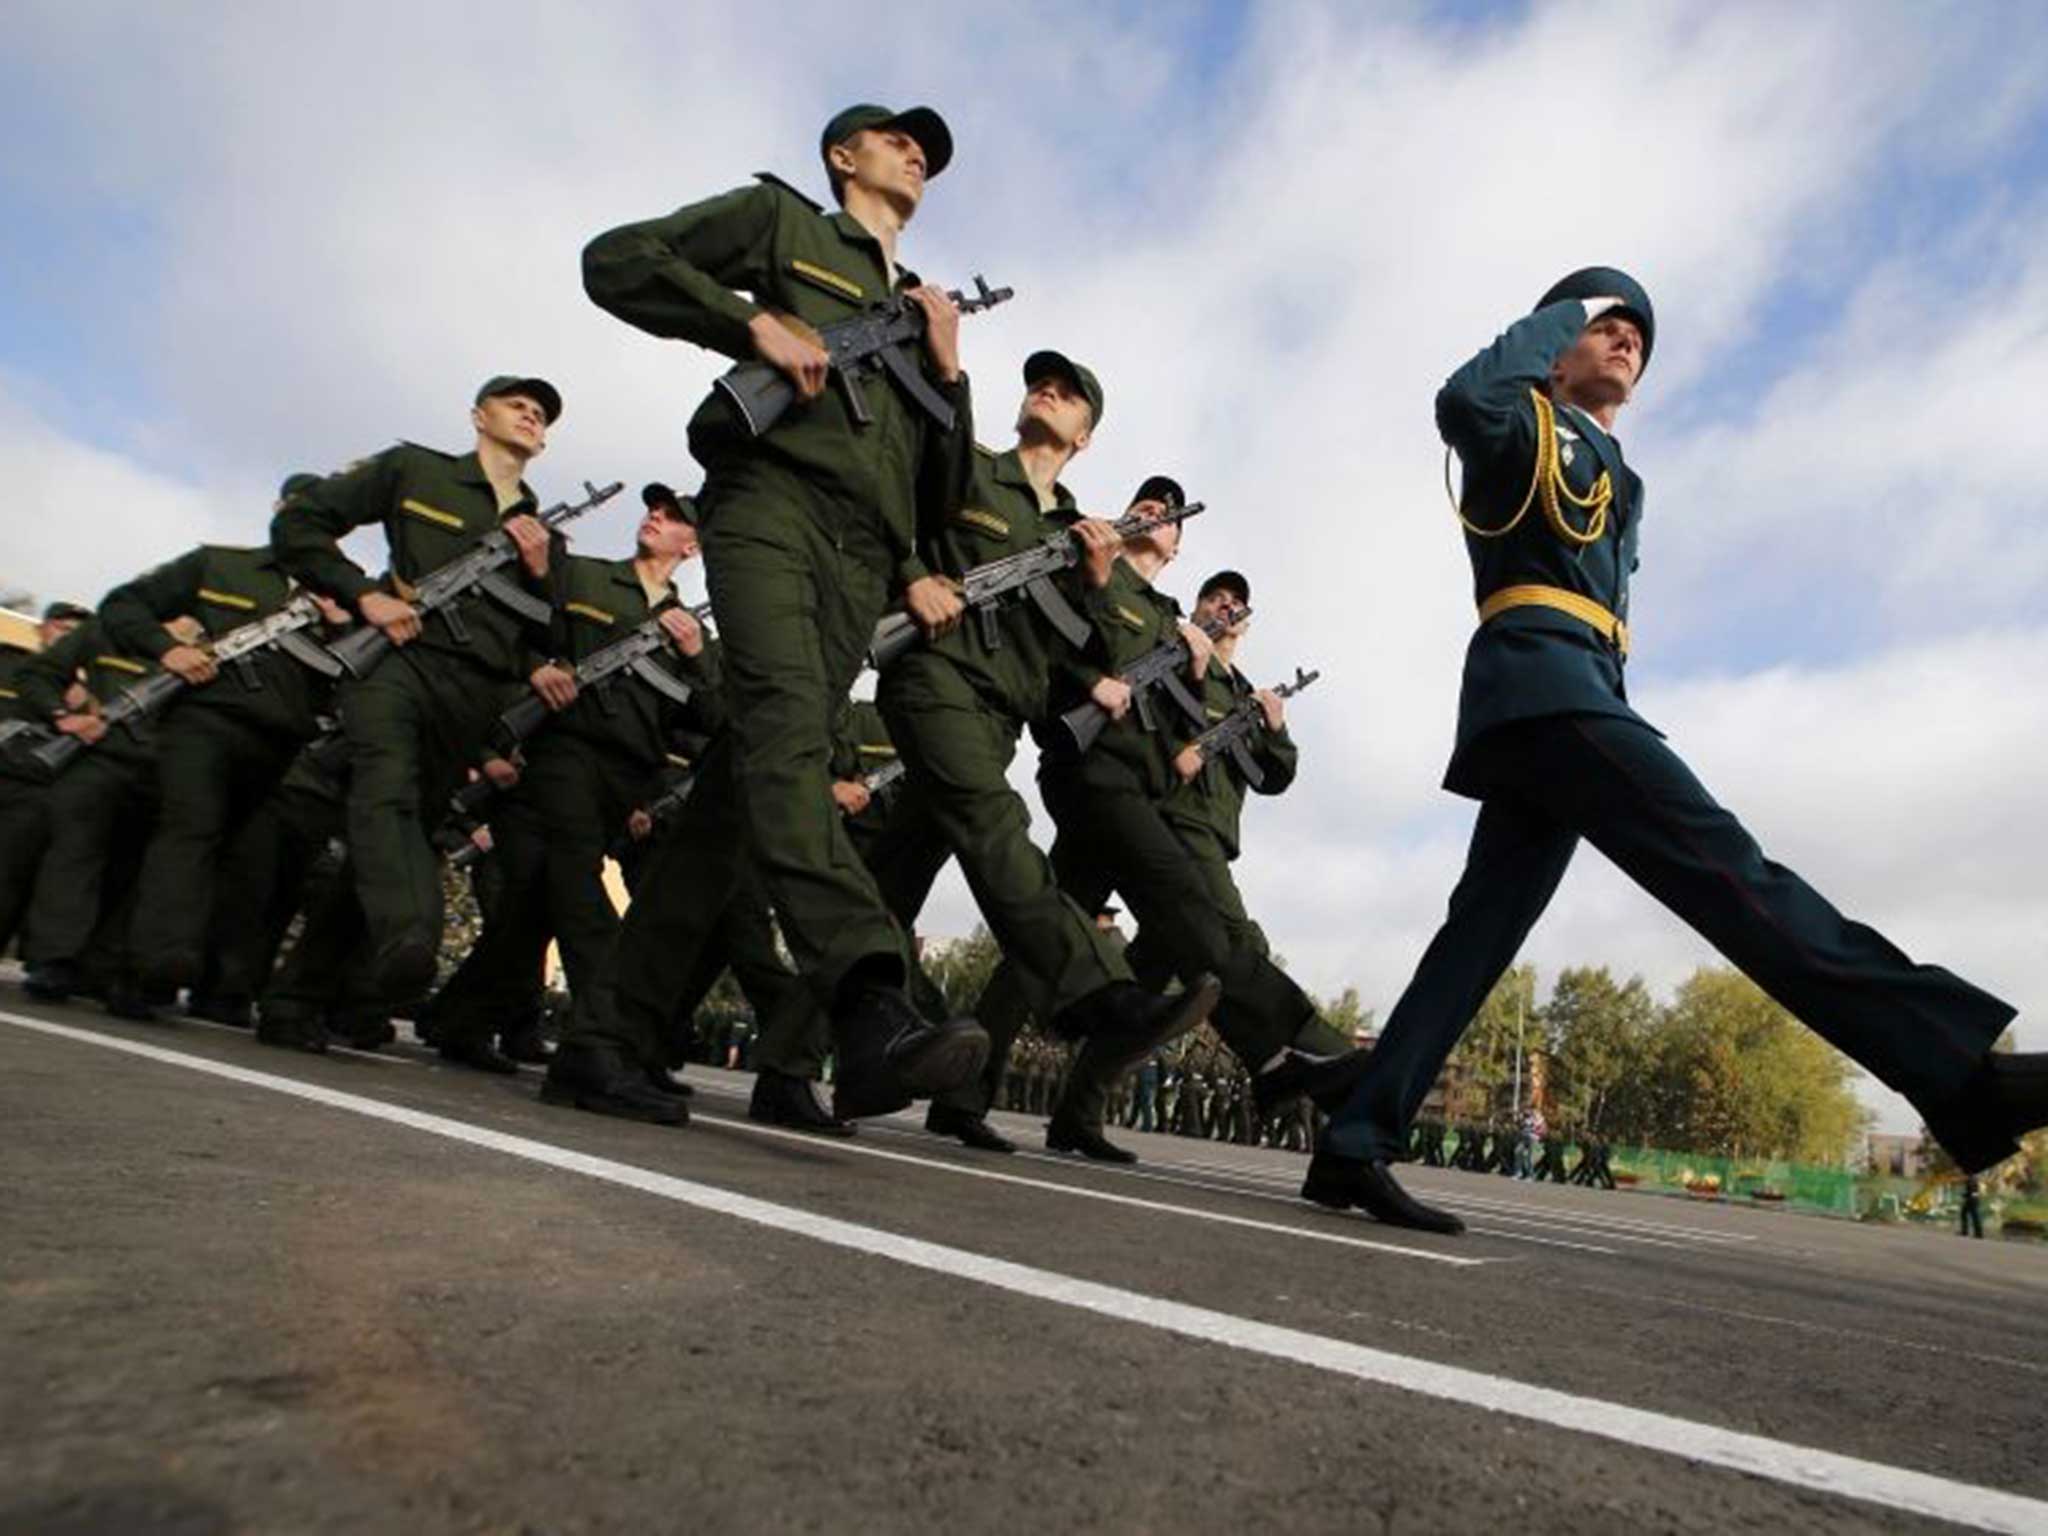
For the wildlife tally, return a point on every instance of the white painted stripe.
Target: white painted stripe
(1847, 1477)
(379, 1057)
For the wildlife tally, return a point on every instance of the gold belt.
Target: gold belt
(1584, 609)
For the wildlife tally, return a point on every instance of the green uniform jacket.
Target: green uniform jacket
(1129, 617)
(601, 602)
(1214, 799)
(997, 515)
(861, 745)
(89, 654)
(13, 661)
(677, 276)
(1534, 661)
(223, 588)
(433, 506)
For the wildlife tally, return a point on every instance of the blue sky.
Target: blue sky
(253, 239)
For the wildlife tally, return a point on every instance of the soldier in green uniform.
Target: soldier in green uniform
(810, 531)
(957, 708)
(1113, 835)
(415, 721)
(584, 773)
(222, 747)
(1549, 745)
(24, 792)
(99, 810)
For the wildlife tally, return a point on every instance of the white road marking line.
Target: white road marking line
(332, 1050)
(1798, 1466)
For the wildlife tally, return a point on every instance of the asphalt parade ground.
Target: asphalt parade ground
(244, 1289)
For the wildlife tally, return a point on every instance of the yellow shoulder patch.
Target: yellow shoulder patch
(1130, 616)
(987, 522)
(429, 514)
(120, 664)
(826, 278)
(226, 599)
(866, 749)
(586, 611)
(8, 693)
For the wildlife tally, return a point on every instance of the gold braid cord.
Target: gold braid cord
(1547, 483)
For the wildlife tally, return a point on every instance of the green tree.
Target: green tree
(1345, 1013)
(1598, 1035)
(1482, 1067)
(961, 969)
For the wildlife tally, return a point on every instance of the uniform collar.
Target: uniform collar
(469, 469)
(852, 230)
(1009, 470)
(624, 575)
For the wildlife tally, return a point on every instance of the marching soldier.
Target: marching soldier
(413, 723)
(810, 531)
(222, 747)
(1551, 748)
(957, 708)
(583, 775)
(24, 792)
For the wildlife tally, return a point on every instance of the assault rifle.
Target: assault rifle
(988, 589)
(883, 780)
(282, 630)
(633, 653)
(17, 739)
(480, 569)
(868, 342)
(1232, 733)
(1159, 667)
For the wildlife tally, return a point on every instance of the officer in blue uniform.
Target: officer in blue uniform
(1549, 745)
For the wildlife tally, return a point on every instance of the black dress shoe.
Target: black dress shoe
(1069, 1136)
(363, 1031)
(291, 1030)
(890, 1054)
(783, 1099)
(1342, 1182)
(972, 1130)
(661, 1080)
(235, 1012)
(1124, 1023)
(527, 1044)
(599, 1079)
(1326, 1079)
(480, 1054)
(52, 982)
(127, 1000)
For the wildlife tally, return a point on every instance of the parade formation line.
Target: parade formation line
(1778, 1461)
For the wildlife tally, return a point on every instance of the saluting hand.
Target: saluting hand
(683, 630)
(399, 620)
(531, 538)
(190, 663)
(799, 358)
(935, 603)
(555, 684)
(941, 329)
(1099, 546)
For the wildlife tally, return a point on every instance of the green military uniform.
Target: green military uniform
(100, 808)
(221, 748)
(808, 532)
(1114, 835)
(414, 722)
(1549, 744)
(957, 709)
(24, 803)
(585, 772)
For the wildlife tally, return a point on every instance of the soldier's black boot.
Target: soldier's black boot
(594, 1075)
(662, 1080)
(1062, 1135)
(782, 1098)
(525, 1042)
(1125, 1023)
(890, 1054)
(235, 1012)
(477, 1052)
(127, 998)
(53, 981)
(1342, 1182)
(292, 1029)
(971, 1129)
(1326, 1079)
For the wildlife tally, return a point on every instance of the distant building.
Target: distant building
(18, 629)
(1900, 1156)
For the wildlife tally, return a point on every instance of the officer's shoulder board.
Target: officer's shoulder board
(770, 179)
(985, 520)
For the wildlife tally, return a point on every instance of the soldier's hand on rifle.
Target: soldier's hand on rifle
(935, 603)
(639, 825)
(555, 684)
(331, 613)
(531, 538)
(87, 727)
(501, 771)
(941, 329)
(1188, 763)
(1114, 695)
(1200, 649)
(799, 358)
(480, 839)
(1099, 547)
(684, 630)
(190, 663)
(850, 795)
(1274, 706)
(397, 618)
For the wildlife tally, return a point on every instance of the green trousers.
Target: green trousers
(100, 810)
(215, 770)
(958, 748)
(24, 835)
